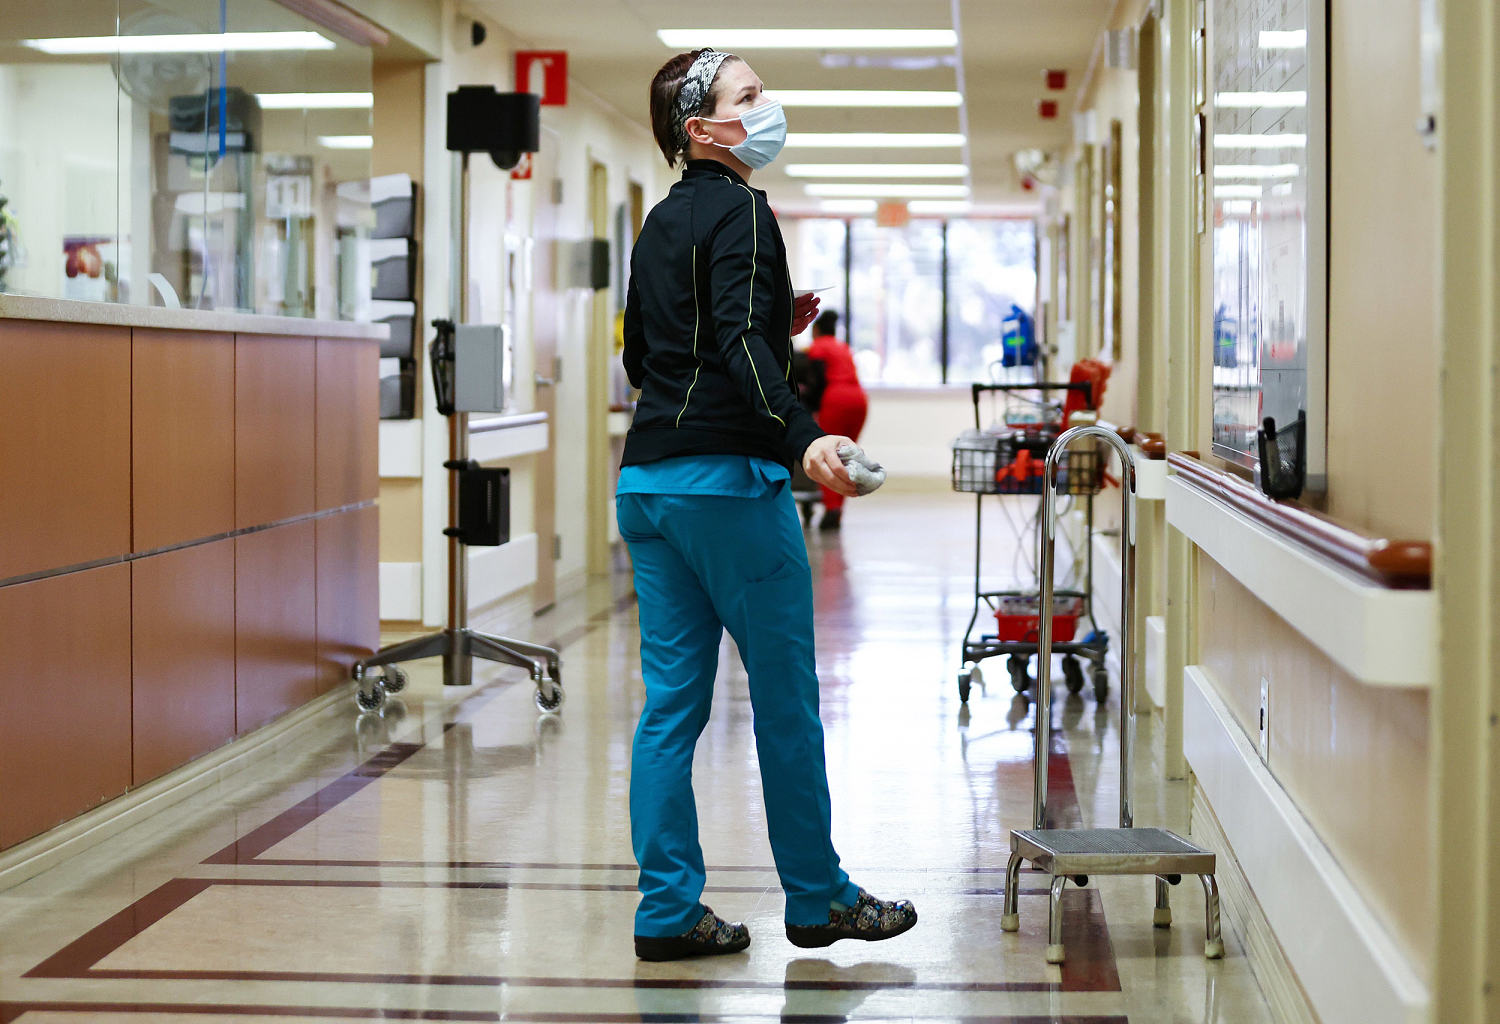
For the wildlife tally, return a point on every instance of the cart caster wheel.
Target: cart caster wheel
(371, 701)
(549, 698)
(964, 679)
(1214, 949)
(1020, 681)
(1010, 923)
(1072, 674)
(1101, 684)
(394, 679)
(1055, 955)
(1080, 880)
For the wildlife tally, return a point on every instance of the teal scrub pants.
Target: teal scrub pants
(703, 564)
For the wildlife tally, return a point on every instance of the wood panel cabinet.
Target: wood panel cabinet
(65, 448)
(182, 658)
(182, 437)
(65, 733)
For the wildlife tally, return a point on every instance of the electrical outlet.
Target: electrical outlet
(1265, 720)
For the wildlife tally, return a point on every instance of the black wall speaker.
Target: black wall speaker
(502, 124)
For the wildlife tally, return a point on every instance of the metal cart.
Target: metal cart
(1008, 458)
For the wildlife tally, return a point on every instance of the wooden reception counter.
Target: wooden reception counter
(188, 538)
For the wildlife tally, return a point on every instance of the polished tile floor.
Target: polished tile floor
(463, 859)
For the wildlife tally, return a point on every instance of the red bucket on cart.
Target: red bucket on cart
(1017, 618)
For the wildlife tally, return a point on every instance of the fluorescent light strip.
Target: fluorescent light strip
(874, 140)
(1285, 141)
(865, 98)
(346, 141)
(876, 170)
(882, 191)
(1247, 100)
(199, 42)
(1294, 40)
(1238, 191)
(848, 206)
(316, 100)
(1256, 171)
(810, 38)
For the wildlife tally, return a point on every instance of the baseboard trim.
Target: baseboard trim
(32, 857)
(400, 591)
(1243, 915)
(1341, 955)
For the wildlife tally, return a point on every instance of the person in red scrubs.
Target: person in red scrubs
(844, 404)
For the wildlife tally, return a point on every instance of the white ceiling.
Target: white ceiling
(1006, 46)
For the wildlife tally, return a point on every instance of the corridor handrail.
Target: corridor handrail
(1395, 564)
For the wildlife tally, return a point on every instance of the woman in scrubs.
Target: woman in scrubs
(705, 507)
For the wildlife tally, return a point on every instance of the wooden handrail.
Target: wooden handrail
(1148, 441)
(1400, 565)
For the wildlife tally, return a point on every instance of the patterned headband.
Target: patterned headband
(695, 85)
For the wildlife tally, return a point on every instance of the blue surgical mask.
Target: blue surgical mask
(765, 134)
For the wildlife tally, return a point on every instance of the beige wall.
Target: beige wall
(1353, 757)
(1382, 349)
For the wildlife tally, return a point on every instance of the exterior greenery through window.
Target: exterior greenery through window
(910, 323)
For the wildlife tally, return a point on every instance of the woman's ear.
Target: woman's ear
(696, 131)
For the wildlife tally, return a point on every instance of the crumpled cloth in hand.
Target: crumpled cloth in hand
(866, 473)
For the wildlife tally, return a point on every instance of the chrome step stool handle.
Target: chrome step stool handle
(1044, 616)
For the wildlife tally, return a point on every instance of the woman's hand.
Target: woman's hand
(804, 312)
(822, 464)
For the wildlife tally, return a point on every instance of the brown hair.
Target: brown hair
(666, 88)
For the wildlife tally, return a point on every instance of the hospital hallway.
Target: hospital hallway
(463, 858)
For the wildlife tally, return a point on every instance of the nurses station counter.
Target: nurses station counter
(188, 538)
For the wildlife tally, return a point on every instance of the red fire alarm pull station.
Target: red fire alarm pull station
(544, 72)
(1057, 80)
(1047, 109)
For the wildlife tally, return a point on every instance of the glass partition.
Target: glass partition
(1269, 201)
(188, 153)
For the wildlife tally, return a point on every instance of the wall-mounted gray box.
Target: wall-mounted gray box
(393, 265)
(393, 199)
(401, 318)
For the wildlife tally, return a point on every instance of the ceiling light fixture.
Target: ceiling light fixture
(876, 170)
(1256, 171)
(346, 141)
(316, 100)
(810, 38)
(847, 206)
(1248, 100)
(865, 98)
(1285, 141)
(1295, 40)
(855, 190)
(1238, 191)
(195, 42)
(875, 140)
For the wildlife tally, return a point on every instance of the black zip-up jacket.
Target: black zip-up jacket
(708, 319)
